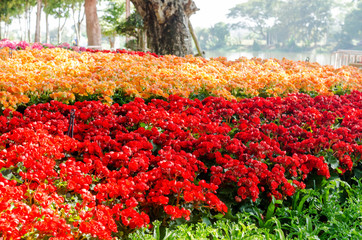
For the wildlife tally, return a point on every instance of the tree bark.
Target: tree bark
(27, 20)
(6, 33)
(92, 23)
(166, 22)
(29, 24)
(111, 40)
(77, 21)
(194, 37)
(59, 32)
(21, 30)
(38, 17)
(47, 38)
(60, 29)
(142, 40)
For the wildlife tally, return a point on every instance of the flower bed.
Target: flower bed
(22, 45)
(129, 165)
(32, 76)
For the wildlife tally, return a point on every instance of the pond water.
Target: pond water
(321, 58)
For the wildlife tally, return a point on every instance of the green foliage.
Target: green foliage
(11, 8)
(352, 23)
(214, 37)
(340, 90)
(307, 22)
(113, 15)
(256, 16)
(130, 26)
(219, 34)
(59, 9)
(201, 94)
(288, 23)
(240, 93)
(331, 211)
(243, 228)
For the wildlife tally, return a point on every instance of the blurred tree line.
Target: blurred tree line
(258, 24)
(292, 25)
(66, 12)
(20, 11)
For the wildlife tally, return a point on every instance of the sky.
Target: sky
(212, 11)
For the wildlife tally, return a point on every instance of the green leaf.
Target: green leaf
(358, 173)
(333, 162)
(301, 204)
(219, 216)
(280, 234)
(309, 224)
(295, 199)
(157, 234)
(207, 221)
(271, 208)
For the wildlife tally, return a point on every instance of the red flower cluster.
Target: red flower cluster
(139, 162)
(123, 51)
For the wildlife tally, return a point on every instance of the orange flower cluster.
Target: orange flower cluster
(65, 75)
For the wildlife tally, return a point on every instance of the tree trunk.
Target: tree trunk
(38, 17)
(142, 40)
(128, 13)
(26, 20)
(111, 40)
(75, 26)
(77, 22)
(26, 24)
(194, 37)
(21, 30)
(92, 23)
(144, 43)
(60, 29)
(166, 23)
(6, 30)
(29, 23)
(59, 32)
(47, 38)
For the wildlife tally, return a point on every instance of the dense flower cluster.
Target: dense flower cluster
(22, 45)
(131, 164)
(66, 76)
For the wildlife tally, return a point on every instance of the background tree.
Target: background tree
(133, 28)
(214, 37)
(219, 34)
(78, 17)
(112, 17)
(303, 22)
(38, 18)
(92, 23)
(204, 37)
(288, 22)
(60, 10)
(7, 10)
(28, 9)
(47, 39)
(166, 24)
(352, 26)
(258, 16)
